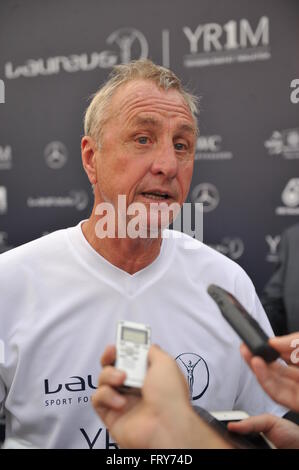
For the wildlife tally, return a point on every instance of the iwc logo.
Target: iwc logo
(55, 155)
(207, 194)
(209, 147)
(195, 369)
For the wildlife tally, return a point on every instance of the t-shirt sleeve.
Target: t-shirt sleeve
(251, 396)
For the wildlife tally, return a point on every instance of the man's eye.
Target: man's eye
(180, 146)
(143, 140)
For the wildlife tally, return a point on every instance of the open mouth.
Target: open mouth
(156, 195)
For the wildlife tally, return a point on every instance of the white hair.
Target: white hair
(95, 115)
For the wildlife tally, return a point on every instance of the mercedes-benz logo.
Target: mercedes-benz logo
(55, 155)
(207, 194)
(131, 42)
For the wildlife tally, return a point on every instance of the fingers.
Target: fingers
(108, 356)
(280, 382)
(164, 378)
(263, 369)
(246, 353)
(112, 377)
(155, 353)
(286, 346)
(108, 404)
(261, 423)
(284, 342)
(274, 370)
(167, 366)
(107, 397)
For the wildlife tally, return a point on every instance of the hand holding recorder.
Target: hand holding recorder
(161, 417)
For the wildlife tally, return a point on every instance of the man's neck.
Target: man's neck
(130, 255)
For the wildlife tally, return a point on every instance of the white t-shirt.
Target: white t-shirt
(60, 303)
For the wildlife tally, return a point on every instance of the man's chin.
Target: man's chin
(149, 227)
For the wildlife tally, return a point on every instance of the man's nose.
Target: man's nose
(165, 161)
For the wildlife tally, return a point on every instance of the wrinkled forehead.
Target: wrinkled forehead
(144, 96)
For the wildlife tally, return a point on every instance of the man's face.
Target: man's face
(147, 146)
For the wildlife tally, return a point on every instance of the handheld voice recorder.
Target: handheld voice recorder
(244, 324)
(132, 344)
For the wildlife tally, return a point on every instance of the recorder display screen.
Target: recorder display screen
(134, 335)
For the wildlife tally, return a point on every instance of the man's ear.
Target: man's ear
(88, 153)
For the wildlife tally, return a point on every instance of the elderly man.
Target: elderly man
(62, 295)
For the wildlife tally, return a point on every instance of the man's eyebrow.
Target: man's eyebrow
(186, 128)
(150, 121)
(145, 121)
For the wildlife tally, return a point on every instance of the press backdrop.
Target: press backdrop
(239, 56)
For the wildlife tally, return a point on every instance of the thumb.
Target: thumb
(261, 423)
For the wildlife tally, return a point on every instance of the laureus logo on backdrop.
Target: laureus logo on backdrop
(209, 147)
(273, 244)
(284, 143)
(206, 194)
(126, 44)
(3, 200)
(131, 42)
(290, 198)
(55, 155)
(294, 97)
(77, 199)
(235, 41)
(231, 247)
(5, 157)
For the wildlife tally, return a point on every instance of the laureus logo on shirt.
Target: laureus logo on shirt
(61, 393)
(197, 373)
